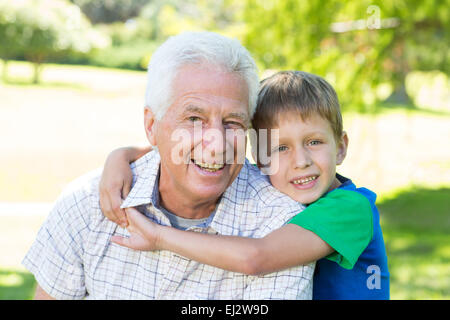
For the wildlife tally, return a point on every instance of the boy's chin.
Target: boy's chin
(306, 198)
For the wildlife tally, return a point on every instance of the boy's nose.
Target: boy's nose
(302, 159)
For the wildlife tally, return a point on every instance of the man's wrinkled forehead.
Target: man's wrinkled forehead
(201, 90)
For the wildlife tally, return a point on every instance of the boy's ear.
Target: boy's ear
(150, 125)
(342, 148)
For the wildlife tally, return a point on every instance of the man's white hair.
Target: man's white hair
(197, 48)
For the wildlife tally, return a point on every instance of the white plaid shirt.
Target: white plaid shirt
(73, 257)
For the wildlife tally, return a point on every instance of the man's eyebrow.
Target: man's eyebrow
(241, 116)
(192, 108)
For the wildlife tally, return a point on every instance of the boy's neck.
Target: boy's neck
(335, 184)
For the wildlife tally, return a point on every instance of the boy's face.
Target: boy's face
(306, 157)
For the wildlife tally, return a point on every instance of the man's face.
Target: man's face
(196, 138)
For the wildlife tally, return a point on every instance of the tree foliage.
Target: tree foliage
(39, 29)
(108, 11)
(364, 48)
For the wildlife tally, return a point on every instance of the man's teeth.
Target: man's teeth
(305, 180)
(209, 167)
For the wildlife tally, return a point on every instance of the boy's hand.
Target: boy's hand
(144, 234)
(115, 185)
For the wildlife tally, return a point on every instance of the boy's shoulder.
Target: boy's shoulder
(348, 189)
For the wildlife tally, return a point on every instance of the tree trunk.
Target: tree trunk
(37, 72)
(36, 59)
(5, 71)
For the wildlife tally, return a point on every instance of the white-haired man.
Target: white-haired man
(198, 82)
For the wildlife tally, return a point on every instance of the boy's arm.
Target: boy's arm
(283, 248)
(286, 247)
(40, 294)
(116, 181)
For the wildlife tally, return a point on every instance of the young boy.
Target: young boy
(352, 265)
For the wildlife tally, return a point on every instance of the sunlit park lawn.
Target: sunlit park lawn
(53, 132)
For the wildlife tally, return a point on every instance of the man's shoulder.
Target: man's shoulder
(84, 191)
(79, 199)
(87, 183)
(261, 190)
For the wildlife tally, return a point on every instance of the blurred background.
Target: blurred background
(72, 89)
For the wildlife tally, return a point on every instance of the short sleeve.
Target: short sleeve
(344, 220)
(55, 257)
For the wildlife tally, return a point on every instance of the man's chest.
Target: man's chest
(116, 272)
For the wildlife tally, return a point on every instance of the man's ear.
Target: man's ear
(342, 148)
(150, 125)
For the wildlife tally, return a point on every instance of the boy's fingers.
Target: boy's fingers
(105, 205)
(126, 189)
(119, 214)
(121, 241)
(135, 216)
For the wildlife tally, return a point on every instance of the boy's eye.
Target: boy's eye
(281, 148)
(314, 142)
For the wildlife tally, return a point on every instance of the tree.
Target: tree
(39, 29)
(361, 47)
(108, 11)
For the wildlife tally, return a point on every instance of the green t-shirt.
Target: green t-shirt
(343, 219)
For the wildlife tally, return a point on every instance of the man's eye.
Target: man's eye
(194, 119)
(234, 125)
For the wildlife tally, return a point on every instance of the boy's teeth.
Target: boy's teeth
(209, 167)
(305, 180)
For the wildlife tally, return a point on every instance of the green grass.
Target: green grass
(16, 285)
(416, 227)
(65, 126)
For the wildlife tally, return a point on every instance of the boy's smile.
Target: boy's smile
(304, 182)
(306, 157)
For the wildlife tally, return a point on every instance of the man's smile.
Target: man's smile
(208, 167)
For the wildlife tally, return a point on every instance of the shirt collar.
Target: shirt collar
(146, 170)
(145, 191)
(345, 182)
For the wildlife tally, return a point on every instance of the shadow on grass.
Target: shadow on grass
(419, 209)
(416, 228)
(44, 84)
(16, 285)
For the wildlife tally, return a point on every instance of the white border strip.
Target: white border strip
(24, 208)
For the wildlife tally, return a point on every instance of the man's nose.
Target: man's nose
(214, 143)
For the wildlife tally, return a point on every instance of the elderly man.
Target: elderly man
(197, 82)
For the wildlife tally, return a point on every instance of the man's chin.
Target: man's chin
(210, 183)
(207, 192)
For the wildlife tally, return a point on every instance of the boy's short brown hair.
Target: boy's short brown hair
(298, 92)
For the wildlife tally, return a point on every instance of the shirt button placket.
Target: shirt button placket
(176, 270)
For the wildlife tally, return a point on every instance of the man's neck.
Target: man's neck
(182, 204)
(186, 208)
